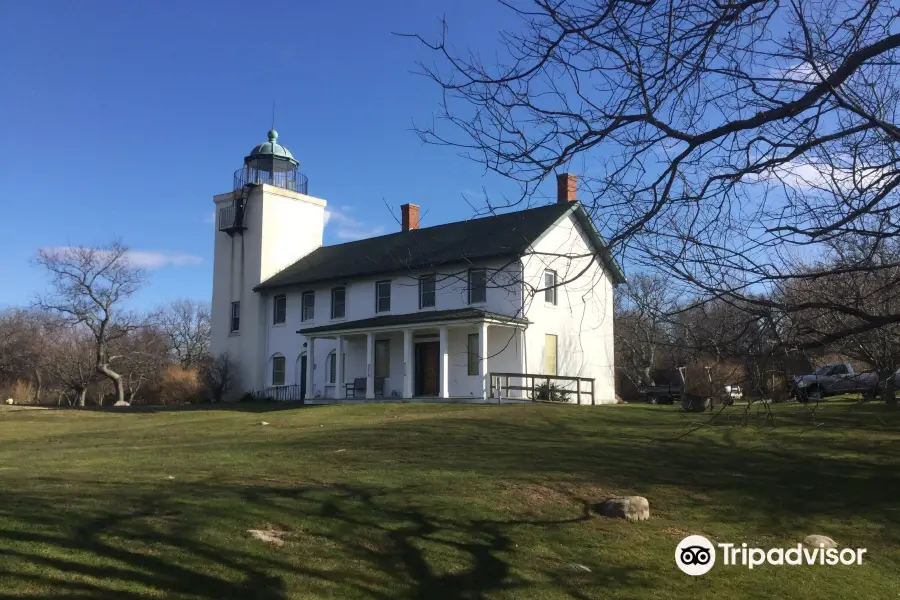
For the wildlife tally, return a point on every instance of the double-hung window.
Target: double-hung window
(472, 342)
(382, 296)
(477, 286)
(278, 364)
(279, 309)
(338, 303)
(550, 287)
(427, 288)
(308, 306)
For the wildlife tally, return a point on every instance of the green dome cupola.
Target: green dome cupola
(271, 163)
(272, 149)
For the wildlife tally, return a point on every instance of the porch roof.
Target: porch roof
(430, 317)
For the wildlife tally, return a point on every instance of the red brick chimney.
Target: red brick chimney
(566, 188)
(410, 218)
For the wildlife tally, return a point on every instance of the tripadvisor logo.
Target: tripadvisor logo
(696, 555)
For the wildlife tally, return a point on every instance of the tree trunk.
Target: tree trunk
(104, 370)
(38, 387)
(82, 397)
(888, 388)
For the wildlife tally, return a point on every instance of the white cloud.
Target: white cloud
(339, 216)
(350, 229)
(147, 259)
(358, 234)
(802, 175)
(801, 72)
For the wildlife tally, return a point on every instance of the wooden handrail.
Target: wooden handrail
(541, 376)
(536, 379)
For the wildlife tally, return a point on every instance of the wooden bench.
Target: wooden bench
(359, 385)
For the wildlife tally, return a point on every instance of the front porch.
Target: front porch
(425, 356)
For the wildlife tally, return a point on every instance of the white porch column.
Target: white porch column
(523, 363)
(310, 366)
(444, 364)
(407, 363)
(341, 391)
(483, 361)
(370, 365)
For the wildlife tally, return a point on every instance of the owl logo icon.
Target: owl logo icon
(695, 555)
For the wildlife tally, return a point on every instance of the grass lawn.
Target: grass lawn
(438, 501)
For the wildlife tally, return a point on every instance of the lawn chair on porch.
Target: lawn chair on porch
(359, 387)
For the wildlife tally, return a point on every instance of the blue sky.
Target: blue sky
(123, 119)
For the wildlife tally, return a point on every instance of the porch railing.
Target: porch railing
(542, 388)
(280, 393)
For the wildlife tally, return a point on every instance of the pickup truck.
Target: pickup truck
(833, 380)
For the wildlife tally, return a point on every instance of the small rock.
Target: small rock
(122, 403)
(270, 536)
(578, 567)
(819, 541)
(170, 477)
(10, 401)
(633, 508)
(263, 423)
(341, 450)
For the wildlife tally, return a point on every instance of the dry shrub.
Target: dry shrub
(20, 391)
(177, 385)
(697, 380)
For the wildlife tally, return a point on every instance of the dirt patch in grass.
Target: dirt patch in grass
(535, 498)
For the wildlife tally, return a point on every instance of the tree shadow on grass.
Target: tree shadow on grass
(343, 541)
(756, 480)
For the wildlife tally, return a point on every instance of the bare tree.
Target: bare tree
(187, 325)
(644, 307)
(723, 144)
(90, 286)
(144, 354)
(71, 363)
(21, 347)
(870, 291)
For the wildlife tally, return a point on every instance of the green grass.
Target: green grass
(437, 501)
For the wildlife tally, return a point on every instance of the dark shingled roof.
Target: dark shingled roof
(416, 318)
(508, 234)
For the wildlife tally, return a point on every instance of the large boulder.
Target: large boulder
(122, 403)
(633, 508)
(695, 403)
(819, 541)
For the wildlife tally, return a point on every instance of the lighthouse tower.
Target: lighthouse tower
(267, 222)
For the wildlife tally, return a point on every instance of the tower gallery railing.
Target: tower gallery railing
(292, 180)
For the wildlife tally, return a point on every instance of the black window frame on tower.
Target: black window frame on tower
(236, 317)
